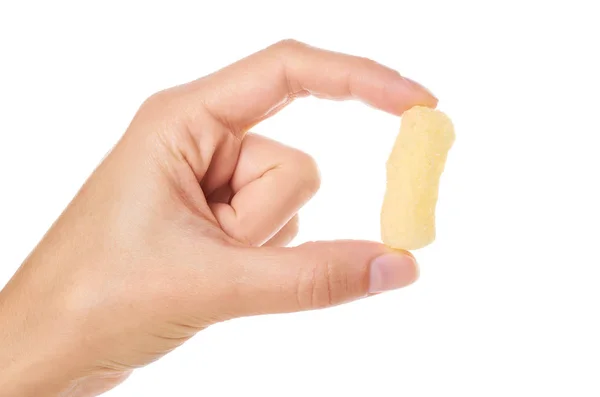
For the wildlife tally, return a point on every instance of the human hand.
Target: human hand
(184, 224)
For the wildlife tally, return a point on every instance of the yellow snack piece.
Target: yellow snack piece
(413, 172)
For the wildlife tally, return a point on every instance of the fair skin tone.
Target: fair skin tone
(185, 224)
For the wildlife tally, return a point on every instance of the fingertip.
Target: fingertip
(406, 93)
(400, 251)
(428, 96)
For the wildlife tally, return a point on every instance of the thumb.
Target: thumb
(318, 274)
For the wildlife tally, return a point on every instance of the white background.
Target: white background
(508, 300)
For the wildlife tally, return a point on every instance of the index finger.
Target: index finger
(254, 88)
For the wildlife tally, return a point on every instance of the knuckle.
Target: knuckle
(367, 62)
(309, 171)
(157, 100)
(316, 292)
(320, 285)
(161, 103)
(287, 45)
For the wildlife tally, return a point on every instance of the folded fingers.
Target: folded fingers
(270, 184)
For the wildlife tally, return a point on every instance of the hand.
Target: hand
(184, 224)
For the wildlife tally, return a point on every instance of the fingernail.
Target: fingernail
(392, 271)
(418, 86)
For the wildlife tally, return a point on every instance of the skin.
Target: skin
(185, 224)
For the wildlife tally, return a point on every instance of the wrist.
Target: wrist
(32, 357)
